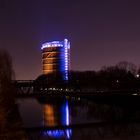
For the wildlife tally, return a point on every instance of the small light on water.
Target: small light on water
(137, 75)
(135, 94)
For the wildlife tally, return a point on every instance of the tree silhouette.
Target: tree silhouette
(6, 99)
(10, 123)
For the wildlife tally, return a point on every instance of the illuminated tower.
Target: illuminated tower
(55, 57)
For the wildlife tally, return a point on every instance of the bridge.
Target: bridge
(24, 87)
(28, 88)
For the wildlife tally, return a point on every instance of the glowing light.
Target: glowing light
(55, 42)
(49, 112)
(52, 44)
(67, 113)
(58, 133)
(66, 44)
(69, 45)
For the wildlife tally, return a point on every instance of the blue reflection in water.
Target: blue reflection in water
(59, 133)
(65, 120)
(66, 117)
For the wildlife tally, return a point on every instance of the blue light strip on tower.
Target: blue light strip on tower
(52, 44)
(67, 46)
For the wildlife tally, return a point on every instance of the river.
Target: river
(78, 119)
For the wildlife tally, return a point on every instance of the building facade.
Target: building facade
(56, 57)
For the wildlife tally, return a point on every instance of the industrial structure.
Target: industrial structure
(56, 57)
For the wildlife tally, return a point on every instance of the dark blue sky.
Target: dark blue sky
(101, 32)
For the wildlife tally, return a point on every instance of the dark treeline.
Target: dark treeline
(122, 76)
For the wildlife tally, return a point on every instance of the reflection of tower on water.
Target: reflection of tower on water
(50, 114)
(57, 114)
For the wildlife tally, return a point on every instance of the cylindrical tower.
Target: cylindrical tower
(55, 57)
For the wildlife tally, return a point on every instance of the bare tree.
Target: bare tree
(10, 123)
(128, 66)
(6, 99)
(6, 76)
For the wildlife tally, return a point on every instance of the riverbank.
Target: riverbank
(11, 126)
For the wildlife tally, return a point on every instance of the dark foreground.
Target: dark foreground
(114, 117)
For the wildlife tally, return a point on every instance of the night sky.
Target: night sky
(101, 32)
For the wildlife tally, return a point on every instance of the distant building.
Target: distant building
(56, 57)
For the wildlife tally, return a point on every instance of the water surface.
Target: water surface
(76, 112)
